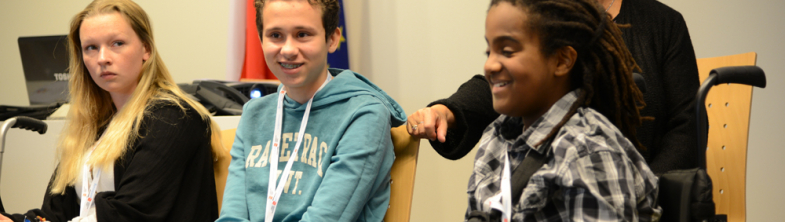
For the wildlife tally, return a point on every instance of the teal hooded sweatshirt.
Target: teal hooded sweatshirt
(342, 170)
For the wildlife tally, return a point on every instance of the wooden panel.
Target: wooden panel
(221, 165)
(402, 175)
(728, 108)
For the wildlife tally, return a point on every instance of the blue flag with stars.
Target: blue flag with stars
(340, 58)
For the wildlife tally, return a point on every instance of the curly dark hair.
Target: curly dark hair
(604, 66)
(330, 14)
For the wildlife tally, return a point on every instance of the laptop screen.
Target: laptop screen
(45, 65)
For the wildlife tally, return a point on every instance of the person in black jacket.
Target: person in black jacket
(659, 41)
(135, 147)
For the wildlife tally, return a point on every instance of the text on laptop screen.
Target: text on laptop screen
(45, 65)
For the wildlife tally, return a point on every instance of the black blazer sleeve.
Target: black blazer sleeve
(660, 43)
(680, 74)
(472, 106)
(59, 207)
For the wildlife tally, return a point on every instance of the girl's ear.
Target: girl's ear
(146, 55)
(566, 57)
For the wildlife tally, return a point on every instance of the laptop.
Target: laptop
(45, 65)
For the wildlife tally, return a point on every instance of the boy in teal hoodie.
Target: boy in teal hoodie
(325, 135)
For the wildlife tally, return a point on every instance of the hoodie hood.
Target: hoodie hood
(347, 84)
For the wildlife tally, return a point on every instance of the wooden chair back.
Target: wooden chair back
(402, 175)
(728, 109)
(221, 165)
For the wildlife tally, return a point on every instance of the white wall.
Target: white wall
(420, 51)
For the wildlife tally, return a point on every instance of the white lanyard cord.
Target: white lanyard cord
(273, 191)
(506, 194)
(506, 189)
(88, 195)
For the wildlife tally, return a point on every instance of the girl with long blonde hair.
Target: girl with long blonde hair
(135, 147)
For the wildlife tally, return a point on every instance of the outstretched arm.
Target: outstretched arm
(468, 112)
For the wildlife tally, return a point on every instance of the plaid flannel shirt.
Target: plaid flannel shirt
(592, 172)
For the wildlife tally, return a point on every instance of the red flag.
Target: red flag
(254, 66)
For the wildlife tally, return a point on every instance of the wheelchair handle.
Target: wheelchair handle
(747, 75)
(31, 124)
(21, 122)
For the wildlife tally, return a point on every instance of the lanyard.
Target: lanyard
(88, 195)
(273, 191)
(531, 164)
(506, 195)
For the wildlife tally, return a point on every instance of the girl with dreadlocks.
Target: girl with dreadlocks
(561, 77)
(658, 39)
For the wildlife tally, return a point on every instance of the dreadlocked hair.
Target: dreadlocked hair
(604, 66)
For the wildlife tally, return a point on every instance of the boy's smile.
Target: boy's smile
(290, 65)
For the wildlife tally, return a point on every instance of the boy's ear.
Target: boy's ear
(566, 57)
(334, 40)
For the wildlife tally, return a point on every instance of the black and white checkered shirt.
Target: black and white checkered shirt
(592, 172)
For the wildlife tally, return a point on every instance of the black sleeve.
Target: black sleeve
(472, 106)
(680, 82)
(59, 207)
(32, 214)
(167, 171)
